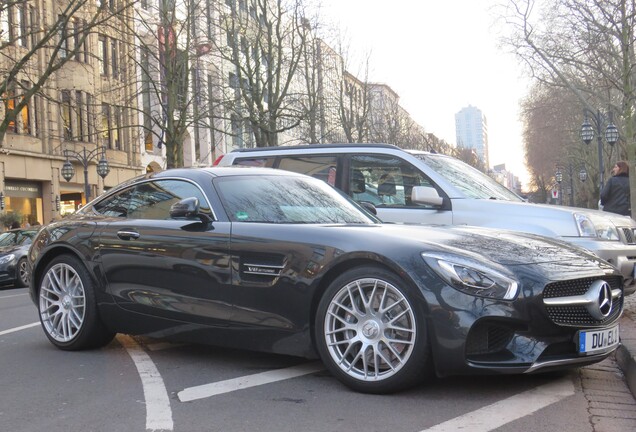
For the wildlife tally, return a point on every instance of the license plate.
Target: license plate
(592, 341)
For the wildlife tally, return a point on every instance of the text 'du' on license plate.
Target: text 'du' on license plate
(593, 341)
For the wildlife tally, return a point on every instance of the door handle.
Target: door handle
(128, 235)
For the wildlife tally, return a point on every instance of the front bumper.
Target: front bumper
(620, 255)
(7, 273)
(523, 336)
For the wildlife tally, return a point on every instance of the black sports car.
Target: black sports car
(14, 246)
(270, 260)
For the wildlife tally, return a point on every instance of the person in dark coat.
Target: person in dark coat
(615, 193)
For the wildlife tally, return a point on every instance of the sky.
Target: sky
(441, 56)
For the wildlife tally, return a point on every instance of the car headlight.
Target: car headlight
(473, 277)
(596, 226)
(7, 259)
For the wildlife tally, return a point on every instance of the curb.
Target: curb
(626, 354)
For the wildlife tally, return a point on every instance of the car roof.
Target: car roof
(225, 171)
(316, 146)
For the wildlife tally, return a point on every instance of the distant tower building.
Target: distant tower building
(471, 130)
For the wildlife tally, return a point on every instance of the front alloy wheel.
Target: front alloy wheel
(370, 332)
(62, 303)
(68, 306)
(23, 273)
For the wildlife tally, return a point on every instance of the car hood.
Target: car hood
(5, 250)
(541, 219)
(501, 246)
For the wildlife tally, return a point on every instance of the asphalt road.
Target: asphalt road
(140, 384)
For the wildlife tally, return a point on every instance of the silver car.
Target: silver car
(421, 187)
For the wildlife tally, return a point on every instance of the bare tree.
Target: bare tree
(263, 42)
(175, 66)
(587, 47)
(551, 117)
(33, 48)
(353, 108)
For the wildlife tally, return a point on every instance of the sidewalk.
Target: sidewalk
(626, 354)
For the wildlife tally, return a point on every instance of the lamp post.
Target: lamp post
(85, 158)
(559, 178)
(587, 135)
(583, 174)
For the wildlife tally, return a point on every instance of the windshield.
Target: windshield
(469, 180)
(285, 199)
(16, 238)
(7, 239)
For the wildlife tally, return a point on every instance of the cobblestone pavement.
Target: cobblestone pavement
(606, 385)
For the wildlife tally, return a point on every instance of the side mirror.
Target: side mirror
(426, 195)
(368, 206)
(187, 208)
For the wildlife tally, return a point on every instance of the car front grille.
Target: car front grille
(488, 338)
(629, 235)
(577, 314)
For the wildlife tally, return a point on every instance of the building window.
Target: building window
(209, 15)
(4, 25)
(145, 96)
(90, 120)
(11, 104)
(62, 34)
(114, 59)
(22, 24)
(122, 61)
(80, 116)
(102, 54)
(77, 38)
(33, 22)
(25, 113)
(237, 132)
(106, 124)
(66, 110)
(116, 131)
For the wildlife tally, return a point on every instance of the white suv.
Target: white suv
(420, 187)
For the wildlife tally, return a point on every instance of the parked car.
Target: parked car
(437, 189)
(14, 245)
(276, 261)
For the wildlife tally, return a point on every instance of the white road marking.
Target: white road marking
(16, 329)
(13, 295)
(500, 413)
(158, 411)
(227, 386)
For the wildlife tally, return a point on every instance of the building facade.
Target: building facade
(82, 113)
(471, 131)
(100, 90)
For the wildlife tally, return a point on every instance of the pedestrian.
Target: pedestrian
(15, 224)
(615, 193)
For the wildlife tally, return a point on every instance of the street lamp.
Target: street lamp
(583, 174)
(85, 158)
(559, 179)
(587, 135)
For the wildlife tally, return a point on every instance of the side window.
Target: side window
(152, 200)
(321, 167)
(265, 162)
(115, 205)
(385, 181)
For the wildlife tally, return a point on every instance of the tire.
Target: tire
(370, 332)
(22, 277)
(68, 308)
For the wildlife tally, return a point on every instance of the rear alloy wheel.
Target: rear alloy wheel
(68, 310)
(23, 276)
(369, 332)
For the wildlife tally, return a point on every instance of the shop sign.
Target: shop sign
(22, 189)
